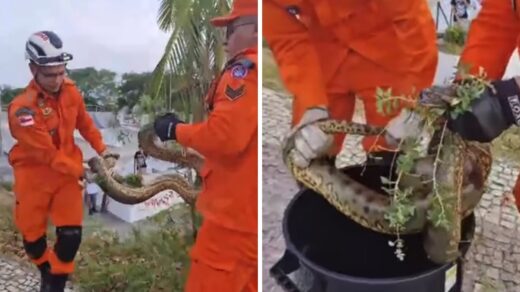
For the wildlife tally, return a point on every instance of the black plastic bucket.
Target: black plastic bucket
(341, 255)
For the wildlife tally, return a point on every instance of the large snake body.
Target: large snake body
(128, 195)
(463, 167)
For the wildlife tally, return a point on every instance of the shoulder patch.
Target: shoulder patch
(245, 62)
(238, 71)
(25, 116)
(24, 111)
(240, 67)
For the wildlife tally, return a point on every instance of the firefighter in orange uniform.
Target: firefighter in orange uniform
(47, 165)
(330, 52)
(492, 38)
(224, 257)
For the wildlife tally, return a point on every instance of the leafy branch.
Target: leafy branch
(453, 100)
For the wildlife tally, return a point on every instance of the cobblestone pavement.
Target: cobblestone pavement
(14, 277)
(17, 278)
(493, 261)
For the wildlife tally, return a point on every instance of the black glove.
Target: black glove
(491, 114)
(166, 125)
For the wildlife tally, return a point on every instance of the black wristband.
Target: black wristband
(508, 95)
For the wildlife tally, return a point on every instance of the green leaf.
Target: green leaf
(385, 180)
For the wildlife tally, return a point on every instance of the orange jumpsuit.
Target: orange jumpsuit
(492, 38)
(224, 257)
(47, 164)
(330, 51)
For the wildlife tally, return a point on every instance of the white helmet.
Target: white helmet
(45, 49)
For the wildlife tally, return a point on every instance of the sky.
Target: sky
(118, 35)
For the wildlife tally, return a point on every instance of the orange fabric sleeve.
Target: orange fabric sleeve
(230, 126)
(296, 57)
(36, 138)
(492, 37)
(88, 129)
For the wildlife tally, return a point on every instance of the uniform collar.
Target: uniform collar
(35, 86)
(245, 52)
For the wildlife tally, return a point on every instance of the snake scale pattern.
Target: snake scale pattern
(463, 168)
(129, 195)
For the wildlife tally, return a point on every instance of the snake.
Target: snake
(122, 193)
(464, 168)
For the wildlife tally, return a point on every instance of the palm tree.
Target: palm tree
(192, 58)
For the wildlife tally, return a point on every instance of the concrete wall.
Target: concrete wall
(133, 213)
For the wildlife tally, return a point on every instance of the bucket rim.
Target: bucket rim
(354, 279)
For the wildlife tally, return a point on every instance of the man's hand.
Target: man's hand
(109, 154)
(406, 124)
(310, 141)
(491, 114)
(81, 182)
(166, 125)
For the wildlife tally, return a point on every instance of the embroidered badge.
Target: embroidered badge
(234, 94)
(26, 120)
(25, 117)
(47, 111)
(239, 71)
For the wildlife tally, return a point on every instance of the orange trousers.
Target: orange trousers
(42, 194)
(223, 260)
(360, 77)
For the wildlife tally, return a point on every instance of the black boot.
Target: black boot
(57, 282)
(45, 274)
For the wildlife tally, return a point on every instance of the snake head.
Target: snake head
(438, 96)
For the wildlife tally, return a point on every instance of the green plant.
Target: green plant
(455, 34)
(134, 180)
(270, 72)
(7, 185)
(402, 208)
(148, 259)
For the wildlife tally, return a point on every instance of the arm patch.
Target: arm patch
(25, 116)
(24, 111)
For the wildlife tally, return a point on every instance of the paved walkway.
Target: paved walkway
(14, 277)
(493, 259)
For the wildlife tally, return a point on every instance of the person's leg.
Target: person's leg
(204, 278)
(94, 202)
(67, 216)
(33, 198)
(370, 76)
(223, 260)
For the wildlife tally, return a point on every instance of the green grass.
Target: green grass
(507, 145)
(7, 185)
(270, 74)
(151, 259)
(453, 40)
